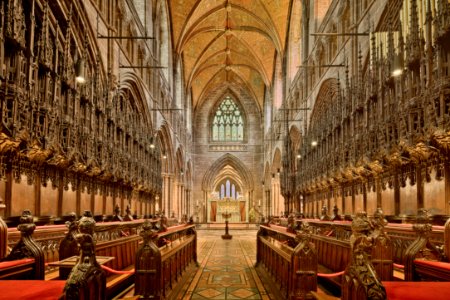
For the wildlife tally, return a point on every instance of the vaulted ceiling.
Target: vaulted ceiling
(228, 42)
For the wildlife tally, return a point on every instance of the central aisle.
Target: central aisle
(226, 267)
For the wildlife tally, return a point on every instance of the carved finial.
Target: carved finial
(147, 232)
(87, 223)
(128, 216)
(423, 225)
(324, 214)
(71, 222)
(26, 226)
(117, 211)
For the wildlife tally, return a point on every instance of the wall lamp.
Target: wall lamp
(314, 143)
(152, 144)
(80, 75)
(164, 156)
(397, 65)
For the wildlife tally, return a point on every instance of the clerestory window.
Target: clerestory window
(228, 123)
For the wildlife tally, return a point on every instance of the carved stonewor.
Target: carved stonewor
(304, 265)
(148, 266)
(360, 279)
(421, 248)
(382, 250)
(27, 247)
(117, 216)
(336, 216)
(128, 216)
(87, 276)
(69, 245)
(324, 214)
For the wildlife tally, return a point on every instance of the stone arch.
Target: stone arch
(276, 161)
(133, 84)
(166, 149)
(179, 165)
(209, 179)
(324, 101)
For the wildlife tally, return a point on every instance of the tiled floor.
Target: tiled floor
(226, 267)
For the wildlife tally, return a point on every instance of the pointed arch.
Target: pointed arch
(227, 160)
(166, 149)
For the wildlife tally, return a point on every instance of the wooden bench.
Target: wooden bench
(290, 260)
(424, 261)
(26, 259)
(114, 239)
(86, 281)
(162, 259)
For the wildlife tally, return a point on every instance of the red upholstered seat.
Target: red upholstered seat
(435, 264)
(31, 289)
(13, 263)
(409, 290)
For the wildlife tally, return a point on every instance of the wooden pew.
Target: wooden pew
(87, 272)
(86, 281)
(115, 239)
(26, 259)
(360, 280)
(424, 260)
(162, 259)
(289, 259)
(332, 242)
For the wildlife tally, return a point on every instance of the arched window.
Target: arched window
(228, 123)
(228, 189)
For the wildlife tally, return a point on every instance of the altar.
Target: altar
(238, 208)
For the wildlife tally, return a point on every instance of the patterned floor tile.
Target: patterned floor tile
(210, 293)
(226, 267)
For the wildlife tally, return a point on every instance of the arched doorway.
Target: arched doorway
(227, 188)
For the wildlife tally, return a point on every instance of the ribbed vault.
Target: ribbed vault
(228, 41)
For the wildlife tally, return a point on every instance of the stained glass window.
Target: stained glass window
(228, 124)
(228, 190)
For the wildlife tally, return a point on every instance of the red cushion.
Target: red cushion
(31, 289)
(435, 264)
(13, 263)
(402, 290)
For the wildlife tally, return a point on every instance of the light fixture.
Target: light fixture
(314, 143)
(79, 71)
(181, 171)
(299, 156)
(152, 145)
(164, 156)
(278, 171)
(262, 183)
(397, 65)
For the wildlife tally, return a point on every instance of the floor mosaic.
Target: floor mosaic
(226, 268)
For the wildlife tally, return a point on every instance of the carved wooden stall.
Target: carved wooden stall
(26, 259)
(290, 259)
(163, 258)
(373, 138)
(69, 145)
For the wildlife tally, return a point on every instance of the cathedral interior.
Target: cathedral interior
(293, 124)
